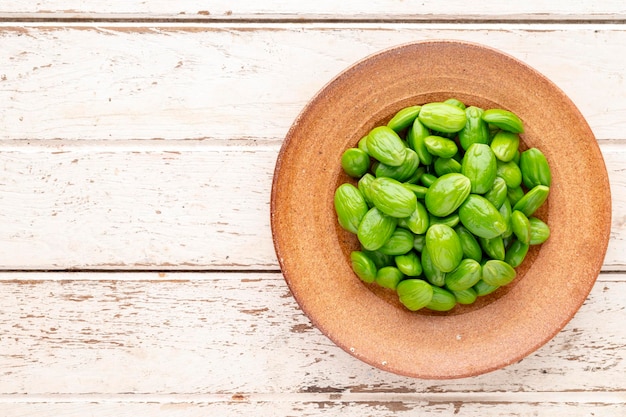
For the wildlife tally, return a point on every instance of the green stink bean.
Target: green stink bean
(447, 193)
(380, 259)
(450, 220)
(481, 217)
(415, 139)
(504, 145)
(419, 242)
(507, 240)
(535, 168)
(442, 300)
(514, 195)
(446, 166)
(363, 144)
(446, 135)
(539, 231)
(532, 200)
(392, 197)
(419, 220)
(506, 210)
(498, 193)
(402, 222)
(482, 288)
(479, 165)
(504, 120)
(409, 264)
(442, 117)
(433, 274)
(418, 190)
(455, 102)
(464, 276)
(469, 244)
(355, 162)
(516, 253)
(364, 184)
(516, 157)
(414, 179)
(375, 229)
(389, 277)
(399, 243)
(498, 273)
(475, 129)
(444, 247)
(493, 129)
(510, 173)
(521, 226)
(350, 206)
(386, 146)
(428, 179)
(402, 172)
(404, 118)
(363, 266)
(440, 146)
(466, 297)
(494, 247)
(414, 294)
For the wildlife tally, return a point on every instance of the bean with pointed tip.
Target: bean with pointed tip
(355, 162)
(539, 231)
(389, 277)
(475, 129)
(444, 247)
(440, 146)
(409, 264)
(414, 294)
(464, 276)
(386, 146)
(447, 193)
(503, 119)
(363, 266)
(375, 229)
(404, 118)
(535, 168)
(442, 117)
(479, 166)
(532, 200)
(350, 207)
(442, 300)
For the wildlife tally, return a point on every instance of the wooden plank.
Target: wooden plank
(317, 405)
(225, 81)
(323, 9)
(243, 334)
(142, 204)
(164, 204)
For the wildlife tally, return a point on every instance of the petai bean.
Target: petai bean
(442, 202)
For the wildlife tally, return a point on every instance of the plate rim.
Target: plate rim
(276, 194)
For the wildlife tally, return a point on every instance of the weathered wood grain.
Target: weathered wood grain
(165, 204)
(323, 9)
(243, 334)
(143, 205)
(225, 81)
(84, 185)
(305, 405)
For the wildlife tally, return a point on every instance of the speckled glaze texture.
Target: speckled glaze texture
(369, 322)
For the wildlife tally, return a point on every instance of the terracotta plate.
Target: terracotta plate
(368, 322)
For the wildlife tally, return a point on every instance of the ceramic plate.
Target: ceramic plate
(369, 322)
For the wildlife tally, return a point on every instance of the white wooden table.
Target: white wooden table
(137, 146)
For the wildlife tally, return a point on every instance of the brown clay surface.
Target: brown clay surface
(369, 323)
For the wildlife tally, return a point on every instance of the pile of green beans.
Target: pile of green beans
(443, 203)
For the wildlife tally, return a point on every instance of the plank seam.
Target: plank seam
(290, 19)
(539, 397)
